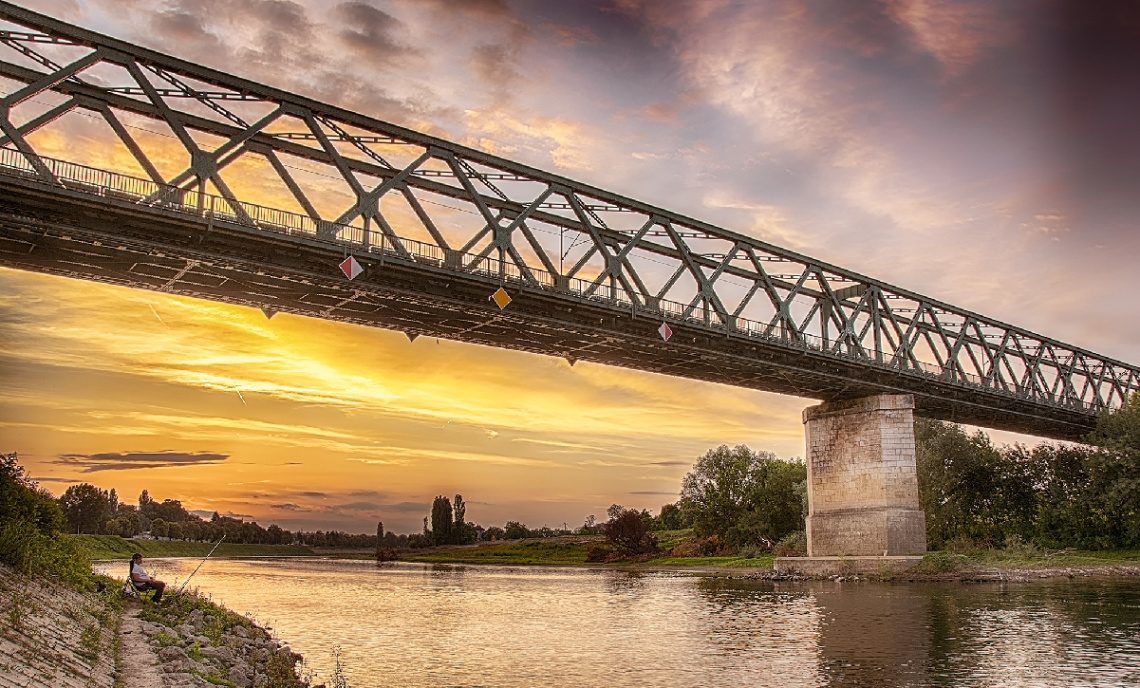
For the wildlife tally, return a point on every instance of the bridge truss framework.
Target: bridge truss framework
(438, 226)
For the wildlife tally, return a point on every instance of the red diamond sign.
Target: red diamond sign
(351, 268)
(665, 331)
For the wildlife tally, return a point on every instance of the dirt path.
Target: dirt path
(140, 665)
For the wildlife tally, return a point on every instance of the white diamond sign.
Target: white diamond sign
(351, 268)
(665, 331)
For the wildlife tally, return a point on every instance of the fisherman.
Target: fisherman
(144, 581)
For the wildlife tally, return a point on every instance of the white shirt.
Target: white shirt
(139, 573)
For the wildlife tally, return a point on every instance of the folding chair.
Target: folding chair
(136, 590)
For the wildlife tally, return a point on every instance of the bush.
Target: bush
(711, 546)
(792, 545)
(629, 534)
(598, 553)
(688, 548)
(30, 523)
(753, 551)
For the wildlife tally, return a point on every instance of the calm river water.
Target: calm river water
(414, 625)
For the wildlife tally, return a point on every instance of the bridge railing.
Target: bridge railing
(124, 188)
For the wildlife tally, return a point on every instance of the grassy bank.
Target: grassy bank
(561, 553)
(115, 547)
(1025, 558)
(941, 564)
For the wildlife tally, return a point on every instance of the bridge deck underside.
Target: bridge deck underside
(65, 234)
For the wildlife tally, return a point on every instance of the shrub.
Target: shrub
(688, 548)
(710, 546)
(598, 553)
(386, 554)
(630, 535)
(792, 545)
(753, 551)
(30, 523)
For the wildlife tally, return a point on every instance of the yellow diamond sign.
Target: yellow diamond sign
(501, 298)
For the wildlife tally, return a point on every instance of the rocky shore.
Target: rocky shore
(196, 643)
(53, 635)
(56, 636)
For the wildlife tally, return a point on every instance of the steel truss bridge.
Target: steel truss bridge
(234, 191)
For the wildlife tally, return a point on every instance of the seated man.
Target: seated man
(142, 580)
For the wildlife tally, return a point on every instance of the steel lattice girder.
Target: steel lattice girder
(416, 198)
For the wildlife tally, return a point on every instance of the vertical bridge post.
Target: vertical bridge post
(863, 509)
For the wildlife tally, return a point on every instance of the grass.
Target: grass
(726, 562)
(548, 553)
(115, 547)
(1023, 557)
(525, 553)
(1032, 557)
(90, 640)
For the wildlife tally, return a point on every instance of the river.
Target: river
(417, 625)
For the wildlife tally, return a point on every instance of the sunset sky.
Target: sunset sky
(983, 153)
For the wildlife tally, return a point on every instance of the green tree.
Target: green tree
(462, 532)
(21, 500)
(30, 525)
(743, 496)
(774, 506)
(970, 489)
(441, 520)
(1118, 434)
(672, 518)
(514, 530)
(86, 507)
(1072, 511)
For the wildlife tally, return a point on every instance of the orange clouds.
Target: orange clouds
(330, 406)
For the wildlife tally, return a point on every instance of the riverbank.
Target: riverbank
(115, 547)
(63, 636)
(562, 551)
(983, 564)
(1017, 563)
(53, 634)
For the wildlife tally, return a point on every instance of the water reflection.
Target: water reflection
(411, 625)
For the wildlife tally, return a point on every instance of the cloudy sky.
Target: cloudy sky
(985, 153)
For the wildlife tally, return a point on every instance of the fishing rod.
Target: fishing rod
(200, 565)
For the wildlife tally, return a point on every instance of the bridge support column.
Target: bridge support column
(863, 508)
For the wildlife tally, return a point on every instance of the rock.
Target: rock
(222, 655)
(171, 654)
(240, 632)
(185, 681)
(151, 628)
(260, 681)
(240, 675)
(196, 619)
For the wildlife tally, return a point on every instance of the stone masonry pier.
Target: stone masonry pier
(863, 508)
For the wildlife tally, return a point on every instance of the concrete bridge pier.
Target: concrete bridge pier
(863, 510)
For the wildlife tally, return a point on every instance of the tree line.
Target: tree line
(1053, 495)
(87, 509)
(973, 494)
